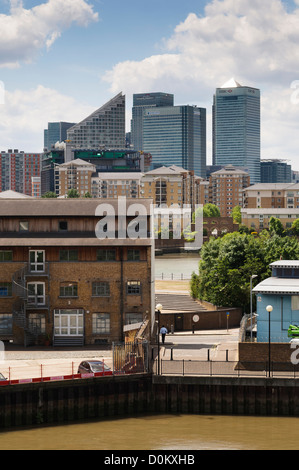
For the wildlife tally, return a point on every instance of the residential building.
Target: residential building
(103, 129)
(64, 276)
(75, 174)
(176, 135)
(281, 291)
(258, 219)
(275, 171)
(56, 132)
(142, 101)
(272, 195)
(17, 169)
(171, 186)
(114, 185)
(236, 127)
(226, 188)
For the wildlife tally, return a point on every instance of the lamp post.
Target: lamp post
(158, 309)
(251, 277)
(269, 309)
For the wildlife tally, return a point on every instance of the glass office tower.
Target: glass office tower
(176, 135)
(236, 128)
(140, 102)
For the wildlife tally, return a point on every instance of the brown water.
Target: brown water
(162, 432)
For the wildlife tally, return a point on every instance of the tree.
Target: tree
(210, 210)
(236, 215)
(73, 193)
(295, 227)
(275, 226)
(49, 194)
(227, 263)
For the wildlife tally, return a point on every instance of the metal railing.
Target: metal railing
(172, 276)
(206, 368)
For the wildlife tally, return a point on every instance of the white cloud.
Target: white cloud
(256, 42)
(26, 115)
(24, 32)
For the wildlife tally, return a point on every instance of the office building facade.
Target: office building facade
(176, 136)
(104, 128)
(56, 132)
(140, 102)
(236, 127)
(275, 171)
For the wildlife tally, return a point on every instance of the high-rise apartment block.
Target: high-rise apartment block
(74, 175)
(142, 101)
(226, 188)
(56, 132)
(104, 128)
(236, 127)
(17, 169)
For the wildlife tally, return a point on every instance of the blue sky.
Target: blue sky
(62, 59)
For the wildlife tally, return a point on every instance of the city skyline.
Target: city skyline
(62, 60)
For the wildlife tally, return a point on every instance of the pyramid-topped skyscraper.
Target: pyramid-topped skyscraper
(236, 127)
(104, 128)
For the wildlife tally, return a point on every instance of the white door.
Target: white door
(36, 293)
(37, 261)
(68, 322)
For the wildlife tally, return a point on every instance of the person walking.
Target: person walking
(163, 333)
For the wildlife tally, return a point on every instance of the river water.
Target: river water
(162, 432)
(176, 266)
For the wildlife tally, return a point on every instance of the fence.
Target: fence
(127, 358)
(202, 368)
(173, 276)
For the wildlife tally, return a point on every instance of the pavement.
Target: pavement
(18, 362)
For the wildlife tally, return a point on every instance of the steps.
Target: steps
(179, 303)
(68, 341)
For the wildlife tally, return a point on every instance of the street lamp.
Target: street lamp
(269, 309)
(251, 277)
(158, 309)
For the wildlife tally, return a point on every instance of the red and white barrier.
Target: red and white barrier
(58, 377)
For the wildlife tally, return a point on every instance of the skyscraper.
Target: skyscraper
(104, 128)
(176, 135)
(236, 127)
(56, 132)
(140, 102)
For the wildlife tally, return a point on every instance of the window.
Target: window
(133, 255)
(5, 289)
(131, 318)
(68, 255)
(106, 255)
(100, 289)
(101, 323)
(24, 226)
(6, 324)
(5, 255)
(68, 289)
(133, 287)
(62, 225)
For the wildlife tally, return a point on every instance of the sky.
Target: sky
(60, 60)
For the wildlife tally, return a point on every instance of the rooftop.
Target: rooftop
(275, 285)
